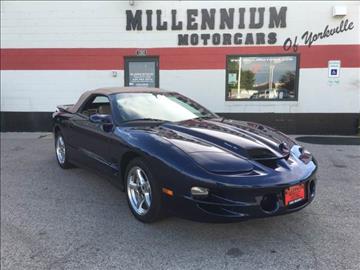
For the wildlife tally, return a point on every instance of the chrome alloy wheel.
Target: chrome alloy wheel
(60, 149)
(139, 190)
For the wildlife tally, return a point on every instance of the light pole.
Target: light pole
(239, 79)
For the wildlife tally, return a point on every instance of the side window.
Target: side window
(97, 105)
(101, 99)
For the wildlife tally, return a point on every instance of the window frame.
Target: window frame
(297, 73)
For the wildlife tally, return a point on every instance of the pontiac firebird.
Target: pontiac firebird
(171, 155)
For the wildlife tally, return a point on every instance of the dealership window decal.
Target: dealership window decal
(262, 77)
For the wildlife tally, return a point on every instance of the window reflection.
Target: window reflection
(261, 77)
(163, 106)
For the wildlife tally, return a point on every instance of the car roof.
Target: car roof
(114, 90)
(117, 90)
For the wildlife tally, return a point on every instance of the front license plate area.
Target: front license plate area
(294, 194)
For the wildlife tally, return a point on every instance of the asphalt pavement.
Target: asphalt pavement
(75, 219)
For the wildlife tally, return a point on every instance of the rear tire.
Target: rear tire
(142, 192)
(62, 155)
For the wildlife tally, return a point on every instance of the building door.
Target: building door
(142, 71)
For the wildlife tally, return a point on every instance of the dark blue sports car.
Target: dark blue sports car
(172, 155)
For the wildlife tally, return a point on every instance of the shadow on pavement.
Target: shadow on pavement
(329, 140)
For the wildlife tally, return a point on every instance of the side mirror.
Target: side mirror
(101, 119)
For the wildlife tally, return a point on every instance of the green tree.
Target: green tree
(233, 66)
(288, 80)
(247, 79)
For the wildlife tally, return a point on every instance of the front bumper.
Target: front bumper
(233, 204)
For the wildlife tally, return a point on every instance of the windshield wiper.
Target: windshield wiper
(206, 116)
(145, 119)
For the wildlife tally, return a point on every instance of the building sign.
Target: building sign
(334, 68)
(250, 23)
(141, 52)
(309, 38)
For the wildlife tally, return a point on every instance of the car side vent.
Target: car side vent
(260, 153)
(264, 156)
(271, 163)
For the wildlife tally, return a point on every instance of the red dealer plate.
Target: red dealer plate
(294, 194)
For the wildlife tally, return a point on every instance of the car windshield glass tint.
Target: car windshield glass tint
(167, 107)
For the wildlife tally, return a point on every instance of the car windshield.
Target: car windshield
(159, 106)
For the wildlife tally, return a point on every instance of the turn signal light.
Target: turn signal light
(168, 191)
(199, 192)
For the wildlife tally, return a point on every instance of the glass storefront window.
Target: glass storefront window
(263, 77)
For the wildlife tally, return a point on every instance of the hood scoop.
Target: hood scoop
(261, 154)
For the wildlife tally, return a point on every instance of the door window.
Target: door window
(97, 105)
(141, 72)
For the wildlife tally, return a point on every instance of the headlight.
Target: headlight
(199, 192)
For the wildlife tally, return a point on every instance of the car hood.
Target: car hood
(225, 146)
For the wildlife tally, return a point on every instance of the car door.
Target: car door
(93, 139)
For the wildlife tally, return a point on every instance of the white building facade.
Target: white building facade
(291, 65)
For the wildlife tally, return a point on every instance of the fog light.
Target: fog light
(199, 192)
(269, 203)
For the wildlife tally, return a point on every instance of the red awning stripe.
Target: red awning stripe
(170, 58)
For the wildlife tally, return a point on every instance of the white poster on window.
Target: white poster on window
(232, 78)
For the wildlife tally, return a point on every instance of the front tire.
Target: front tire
(142, 192)
(62, 155)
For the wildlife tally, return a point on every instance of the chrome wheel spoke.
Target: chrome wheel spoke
(60, 150)
(141, 203)
(140, 177)
(147, 199)
(133, 185)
